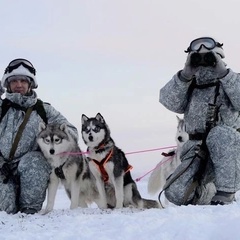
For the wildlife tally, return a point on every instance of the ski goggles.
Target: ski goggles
(207, 42)
(20, 61)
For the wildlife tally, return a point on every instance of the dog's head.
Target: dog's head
(95, 131)
(181, 135)
(53, 139)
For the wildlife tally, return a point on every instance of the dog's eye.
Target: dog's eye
(96, 129)
(57, 140)
(46, 140)
(85, 129)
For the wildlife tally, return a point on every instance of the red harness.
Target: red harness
(101, 166)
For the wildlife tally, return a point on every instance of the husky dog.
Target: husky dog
(169, 162)
(110, 166)
(56, 143)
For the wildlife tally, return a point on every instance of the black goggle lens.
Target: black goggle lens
(208, 43)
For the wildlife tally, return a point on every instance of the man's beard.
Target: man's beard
(205, 75)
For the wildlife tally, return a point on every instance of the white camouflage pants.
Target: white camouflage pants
(33, 171)
(223, 167)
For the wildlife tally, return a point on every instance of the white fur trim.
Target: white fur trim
(21, 70)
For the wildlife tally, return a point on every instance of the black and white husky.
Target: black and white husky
(72, 170)
(110, 166)
(169, 162)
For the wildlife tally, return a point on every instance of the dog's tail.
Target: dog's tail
(140, 202)
(156, 180)
(148, 203)
(159, 175)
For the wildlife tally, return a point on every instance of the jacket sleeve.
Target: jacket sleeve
(231, 86)
(174, 95)
(56, 117)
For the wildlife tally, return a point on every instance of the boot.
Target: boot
(223, 198)
(27, 210)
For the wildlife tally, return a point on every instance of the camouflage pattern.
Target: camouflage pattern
(223, 140)
(31, 167)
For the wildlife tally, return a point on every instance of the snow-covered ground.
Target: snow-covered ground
(178, 223)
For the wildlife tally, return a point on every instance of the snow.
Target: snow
(173, 222)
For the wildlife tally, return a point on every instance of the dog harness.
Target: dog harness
(101, 166)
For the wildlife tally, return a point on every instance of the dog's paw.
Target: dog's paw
(45, 211)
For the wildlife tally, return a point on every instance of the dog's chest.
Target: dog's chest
(97, 156)
(56, 161)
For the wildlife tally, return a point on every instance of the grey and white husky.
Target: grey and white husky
(169, 162)
(57, 144)
(110, 166)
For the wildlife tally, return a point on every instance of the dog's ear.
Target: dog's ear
(63, 127)
(84, 118)
(41, 126)
(100, 118)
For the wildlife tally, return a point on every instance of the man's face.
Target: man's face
(19, 84)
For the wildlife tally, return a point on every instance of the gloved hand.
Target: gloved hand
(220, 67)
(188, 70)
(5, 170)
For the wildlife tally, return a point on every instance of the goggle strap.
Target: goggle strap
(9, 69)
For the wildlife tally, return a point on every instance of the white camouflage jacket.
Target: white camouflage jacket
(177, 96)
(13, 119)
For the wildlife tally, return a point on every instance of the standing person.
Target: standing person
(208, 94)
(24, 172)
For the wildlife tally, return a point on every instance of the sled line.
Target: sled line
(128, 153)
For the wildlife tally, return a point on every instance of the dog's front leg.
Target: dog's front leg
(118, 185)
(102, 202)
(75, 191)
(52, 190)
(102, 194)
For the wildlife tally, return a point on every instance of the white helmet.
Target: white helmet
(20, 67)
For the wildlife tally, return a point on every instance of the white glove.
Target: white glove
(188, 70)
(220, 67)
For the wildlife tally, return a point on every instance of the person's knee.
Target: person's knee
(175, 194)
(33, 161)
(222, 135)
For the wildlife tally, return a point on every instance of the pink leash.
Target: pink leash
(135, 152)
(158, 165)
(141, 151)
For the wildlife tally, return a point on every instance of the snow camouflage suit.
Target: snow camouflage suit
(33, 170)
(223, 140)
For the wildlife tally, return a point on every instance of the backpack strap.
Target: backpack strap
(41, 110)
(6, 104)
(19, 133)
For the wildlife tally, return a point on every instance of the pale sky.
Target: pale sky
(113, 56)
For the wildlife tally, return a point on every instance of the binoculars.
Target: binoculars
(203, 59)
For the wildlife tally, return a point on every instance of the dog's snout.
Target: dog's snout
(90, 138)
(180, 139)
(52, 151)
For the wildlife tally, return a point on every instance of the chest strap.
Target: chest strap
(101, 166)
(196, 136)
